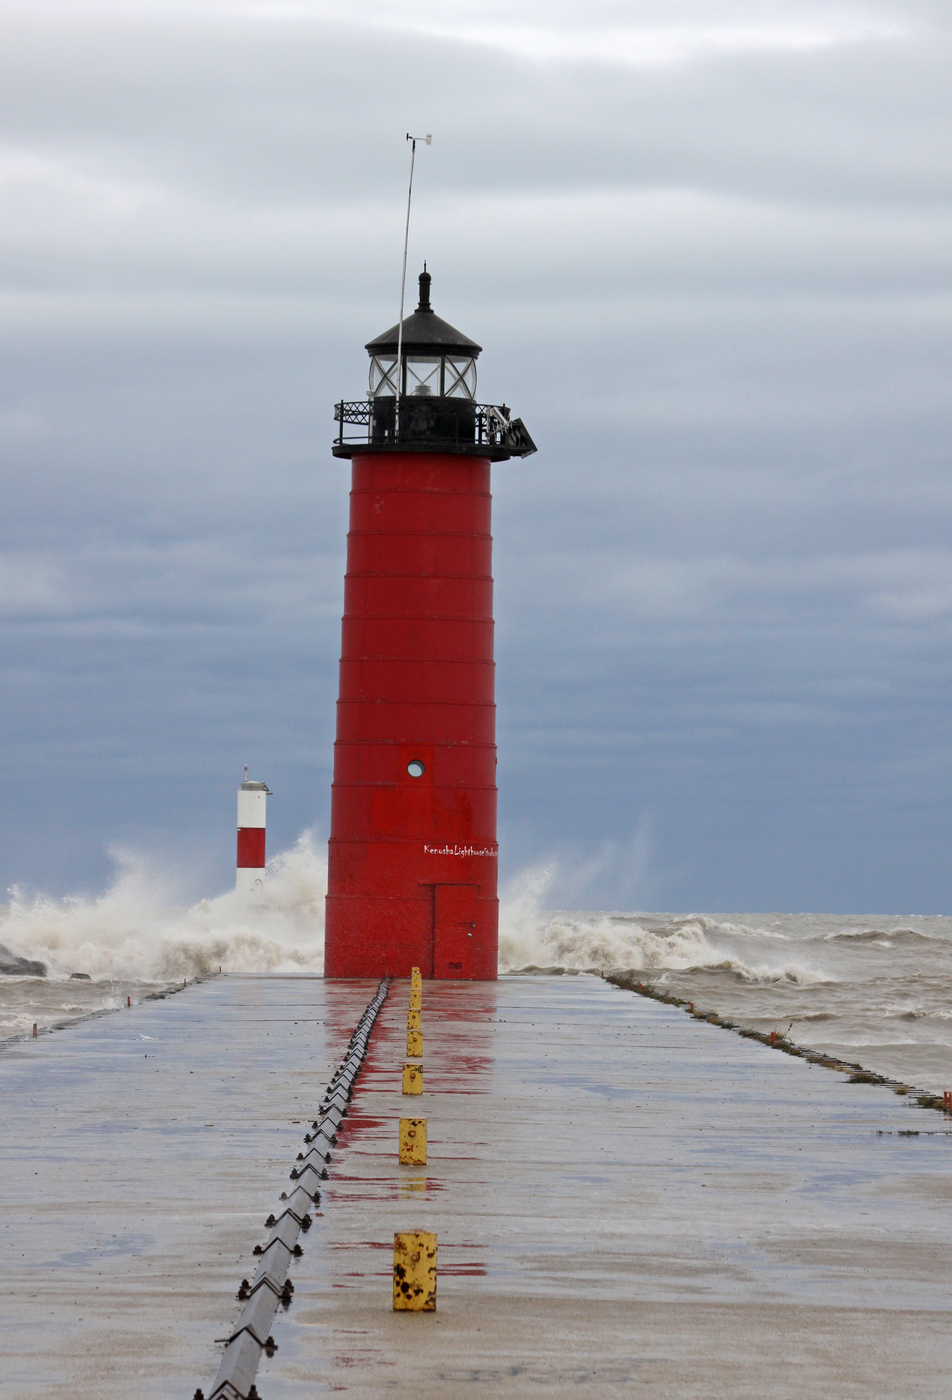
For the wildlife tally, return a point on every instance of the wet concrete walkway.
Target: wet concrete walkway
(139, 1156)
(626, 1200)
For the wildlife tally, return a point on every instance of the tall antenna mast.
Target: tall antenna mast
(428, 138)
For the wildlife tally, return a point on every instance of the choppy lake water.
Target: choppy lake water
(868, 988)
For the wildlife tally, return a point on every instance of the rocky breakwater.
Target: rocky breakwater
(12, 965)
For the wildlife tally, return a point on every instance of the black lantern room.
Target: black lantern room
(422, 395)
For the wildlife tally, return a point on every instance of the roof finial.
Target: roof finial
(425, 280)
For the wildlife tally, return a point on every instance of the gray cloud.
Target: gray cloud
(706, 247)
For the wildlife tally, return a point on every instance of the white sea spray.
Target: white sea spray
(532, 936)
(135, 930)
(876, 989)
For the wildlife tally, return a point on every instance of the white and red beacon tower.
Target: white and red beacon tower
(252, 828)
(412, 857)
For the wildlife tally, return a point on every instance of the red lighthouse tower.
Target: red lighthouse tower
(413, 855)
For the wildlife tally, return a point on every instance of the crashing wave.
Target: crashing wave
(135, 930)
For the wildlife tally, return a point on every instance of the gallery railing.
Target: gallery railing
(440, 424)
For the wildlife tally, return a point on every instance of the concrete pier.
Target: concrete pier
(140, 1154)
(625, 1198)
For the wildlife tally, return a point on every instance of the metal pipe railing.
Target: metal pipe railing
(271, 1286)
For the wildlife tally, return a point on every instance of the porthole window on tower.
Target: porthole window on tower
(415, 768)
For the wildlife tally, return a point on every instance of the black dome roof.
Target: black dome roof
(424, 333)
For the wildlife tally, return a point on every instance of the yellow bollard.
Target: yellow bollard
(413, 1142)
(415, 1043)
(415, 973)
(413, 1079)
(413, 1020)
(414, 1271)
(415, 1003)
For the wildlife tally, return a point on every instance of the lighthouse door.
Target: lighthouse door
(454, 930)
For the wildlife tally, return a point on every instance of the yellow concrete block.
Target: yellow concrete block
(414, 1042)
(415, 973)
(413, 1079)
(415, 1003)
(413, 1142)
(414, 1271)
(413, 1020)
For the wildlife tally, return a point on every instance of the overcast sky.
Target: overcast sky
(706, 247)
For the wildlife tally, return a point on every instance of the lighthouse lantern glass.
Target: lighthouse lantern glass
(423, 374)
(449, 376)
(383, 375)
(460, 378)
